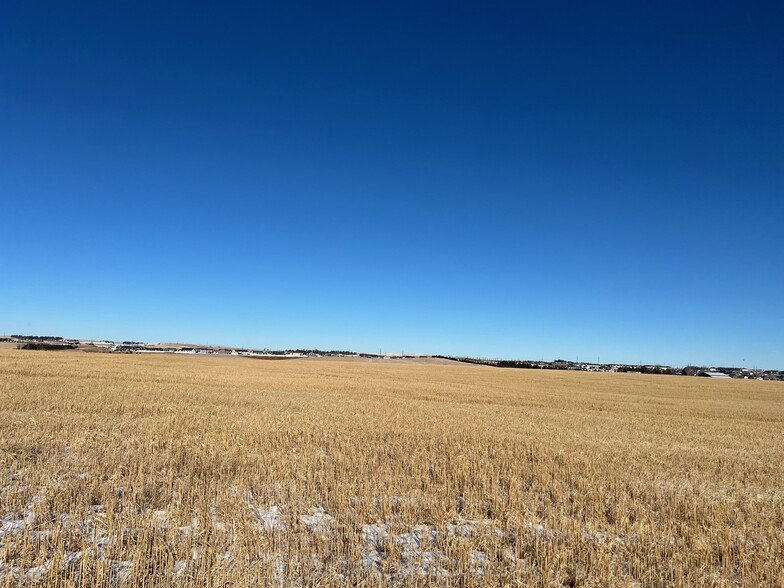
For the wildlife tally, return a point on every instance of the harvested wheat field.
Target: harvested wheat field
(131, 470)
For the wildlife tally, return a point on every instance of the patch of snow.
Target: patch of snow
(375, 534)
(414, 539)
(123, 570)
(424, 564)
(318, 522)
(464, 527)
(610, 538)
(269, 519)
(478, 563)
(9, 528)
(374, 539)
(280, 572)
(180, 569)
(159, 519)
(227, 558)
(7, 570)
(38, 573)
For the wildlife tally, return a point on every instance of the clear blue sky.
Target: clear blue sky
(518, 180)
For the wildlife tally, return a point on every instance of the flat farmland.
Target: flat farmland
(139, 470)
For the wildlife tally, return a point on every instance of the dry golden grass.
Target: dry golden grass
(140, 470)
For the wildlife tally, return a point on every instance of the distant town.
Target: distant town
(691, 370)
(52, 343)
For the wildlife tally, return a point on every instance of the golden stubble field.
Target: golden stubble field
(132, 470)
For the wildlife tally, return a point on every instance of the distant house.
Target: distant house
(106, 344)
(712, 374)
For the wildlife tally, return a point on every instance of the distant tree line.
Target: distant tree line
(650, 369)
(468, 360)
(507, 363)
(561, 364)
(46, 346)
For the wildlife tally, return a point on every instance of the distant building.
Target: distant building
(712, 374)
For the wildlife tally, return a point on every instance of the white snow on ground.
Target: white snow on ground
(374, 540)
(269, 519)
(376, 535)
(122, 569)
(181, 568)
(318, 521)
(539, 531)
(12, 526)
(38, 573)
(608, 538)
(159, 519)
(417, 551)
(415, 546)
(424, 564)
(469, 527)
(413, 541)
(395, 550)
(478, 563)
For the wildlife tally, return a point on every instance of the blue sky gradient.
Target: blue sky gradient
(517, 180)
